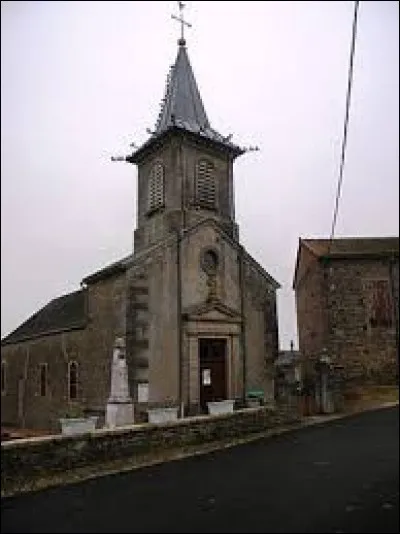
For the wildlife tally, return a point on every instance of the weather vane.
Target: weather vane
(183, 22)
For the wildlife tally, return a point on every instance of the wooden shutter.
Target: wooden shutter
(156, 187)
(205, 184)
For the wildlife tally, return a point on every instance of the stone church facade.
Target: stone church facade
(347, 300)
(197, 312)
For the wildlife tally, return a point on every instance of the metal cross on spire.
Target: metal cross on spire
(183, 22)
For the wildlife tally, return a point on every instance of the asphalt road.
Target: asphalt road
(342, 476)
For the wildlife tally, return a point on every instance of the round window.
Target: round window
(209, 261)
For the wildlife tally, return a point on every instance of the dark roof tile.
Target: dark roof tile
(61, 314)
(182, 109)
(354, 246)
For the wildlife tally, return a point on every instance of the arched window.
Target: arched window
(43, 379)
(156, 187)
(206, 192)
(73, 380)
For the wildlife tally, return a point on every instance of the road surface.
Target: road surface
(342, 476)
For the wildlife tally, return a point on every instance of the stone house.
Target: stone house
(288, 366)
(197, 312)
(347, 296)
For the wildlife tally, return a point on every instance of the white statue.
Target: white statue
(119, 406)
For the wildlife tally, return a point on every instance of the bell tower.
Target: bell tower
(185, 168)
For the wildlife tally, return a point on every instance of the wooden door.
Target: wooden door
(212, 356)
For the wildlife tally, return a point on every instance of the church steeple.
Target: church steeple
(182, 105)
(185, 168)
(182, 108)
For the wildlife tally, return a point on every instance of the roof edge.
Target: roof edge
(79, 326)
(117, 267)
(301, 243)
(157, 140)
(358, 255)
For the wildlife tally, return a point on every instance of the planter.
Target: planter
(253, 403)
(225, 406)
(162, 415)
(78, 425)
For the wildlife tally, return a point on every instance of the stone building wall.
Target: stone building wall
(22, 404)
(163, 333)
(261, 330)
(179, 158)
(90, 347)
(311, 312)
(333, 302)
(368, 352)
(107, 320)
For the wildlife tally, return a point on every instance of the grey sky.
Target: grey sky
(80, 80)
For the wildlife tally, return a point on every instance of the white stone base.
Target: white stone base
(162, 415)
(253, 403)
(225, 406)
(119, 414)
(78, 425)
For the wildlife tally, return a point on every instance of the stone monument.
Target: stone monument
(120, 410)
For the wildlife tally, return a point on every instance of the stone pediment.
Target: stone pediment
(211, 311)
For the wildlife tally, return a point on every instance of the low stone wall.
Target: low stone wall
(369, 394)
(26, 460)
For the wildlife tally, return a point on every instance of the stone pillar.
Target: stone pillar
(324, 391)
(119, 410)
(194, 370)
(237, 374)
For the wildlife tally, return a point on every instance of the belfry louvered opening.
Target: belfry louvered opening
(156, 187)
(206, 191)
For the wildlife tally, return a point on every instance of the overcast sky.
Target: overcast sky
(80, 80)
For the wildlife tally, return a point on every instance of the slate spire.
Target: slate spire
(182, 104)
(182, 108)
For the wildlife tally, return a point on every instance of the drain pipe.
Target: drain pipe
(395, 309)
(24, 387)
(179, 318)
(180, 236)
(242, 323)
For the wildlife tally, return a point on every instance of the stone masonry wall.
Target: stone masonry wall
(368, 353)
(179, 158)
(311, 315)
(25, 461)
(260, 331)
(22, 405)
(90, 347)
(107, 320)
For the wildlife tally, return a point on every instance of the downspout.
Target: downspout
(180, 234)
(328, 345)
(242, 323)
(179, 317)
(25, 379)
(395, 310)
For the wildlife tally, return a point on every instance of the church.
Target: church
(196, 311)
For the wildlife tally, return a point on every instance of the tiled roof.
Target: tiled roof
(182, 100)
(354, 246)
(346, 248)
(61, 314)
(114, 268)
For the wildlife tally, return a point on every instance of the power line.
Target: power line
(346, 122)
